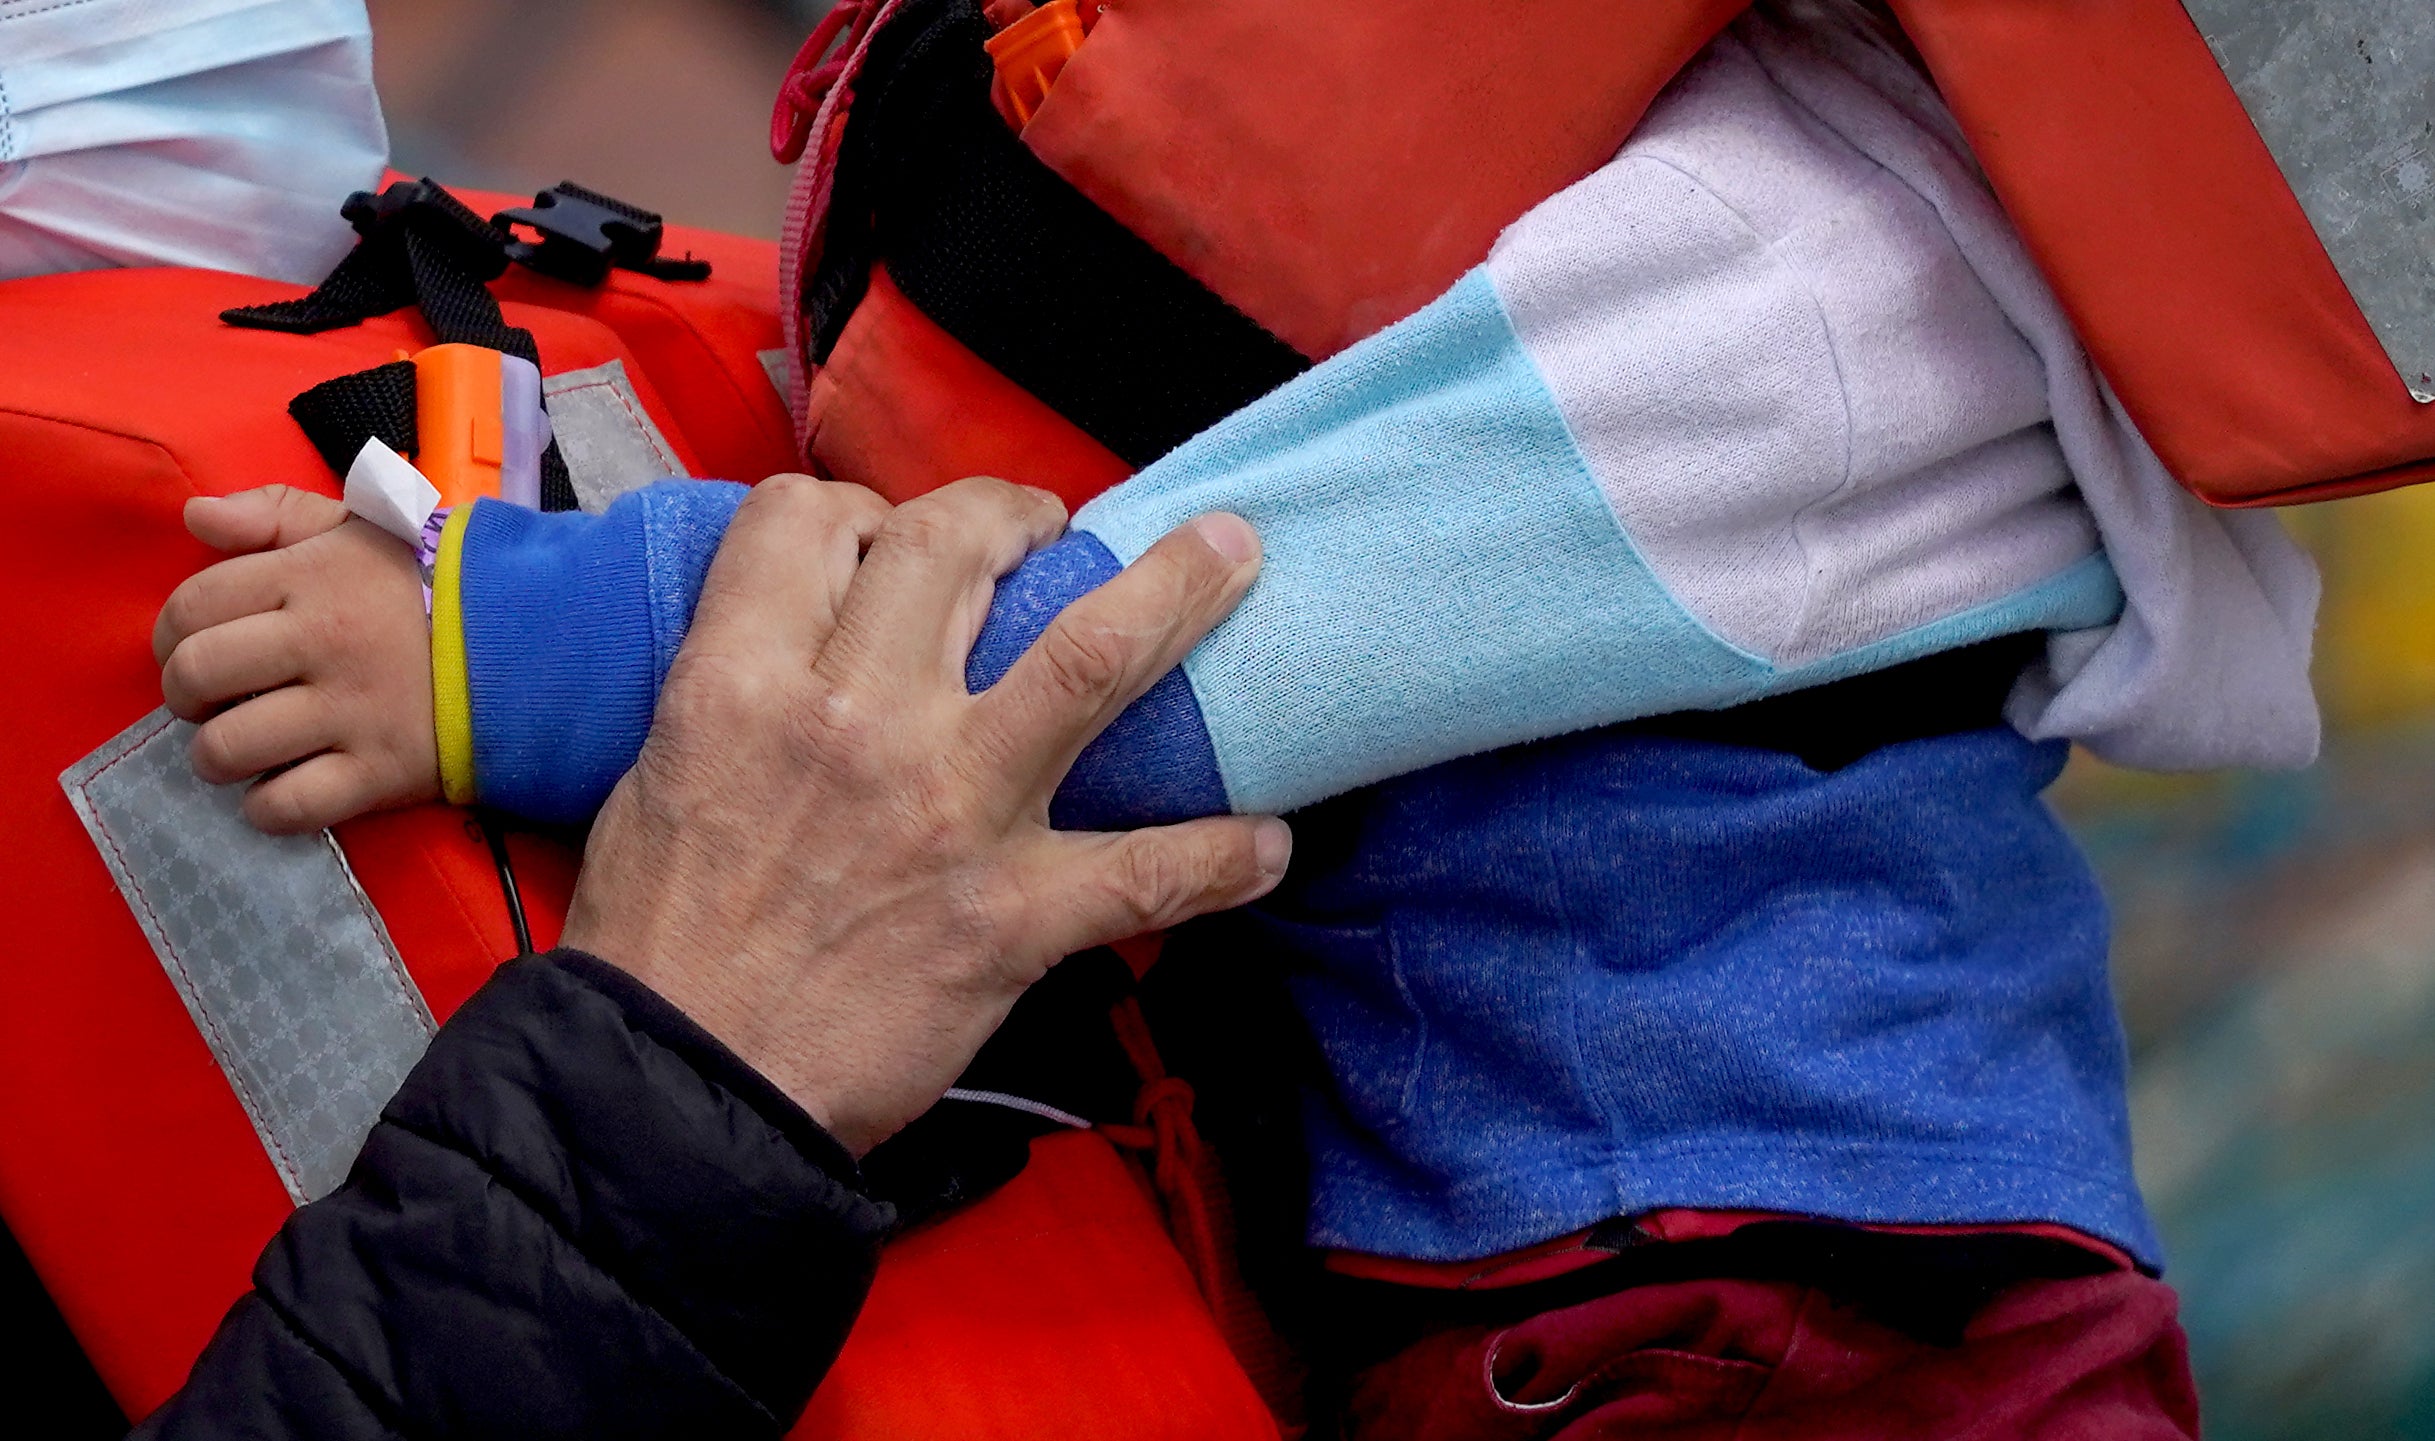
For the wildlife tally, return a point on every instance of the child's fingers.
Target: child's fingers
(252, 653)
(217, 595)
(268, 731)
(265, 518)
(321, 792)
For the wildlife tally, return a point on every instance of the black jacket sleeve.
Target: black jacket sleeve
(581, 1216)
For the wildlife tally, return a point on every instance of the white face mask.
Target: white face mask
(215, 133)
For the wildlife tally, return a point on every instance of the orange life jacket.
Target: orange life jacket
(1328, 169)
(1323, 170)
(140, 1167)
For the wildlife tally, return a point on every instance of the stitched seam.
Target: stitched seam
(1789, 642)
(365, 1394)
(1599, 1087)
(1782, 1368)
(43, 10)
(776, 1132)
(1611, 1160)
(221, 1046)
(8, 124)
(1588, 474)
(1903, 1149)
(644, 425)
(735, 390)
(663, 657)
(524, 1197)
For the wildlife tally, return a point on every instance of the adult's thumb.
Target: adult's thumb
(1111, 886)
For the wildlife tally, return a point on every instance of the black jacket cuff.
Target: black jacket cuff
(580, 1216)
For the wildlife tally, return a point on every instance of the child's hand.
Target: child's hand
(309, 651)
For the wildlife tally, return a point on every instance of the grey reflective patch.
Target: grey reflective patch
(278, 955)
(773, 365)
(610, 442)
(2344, 93)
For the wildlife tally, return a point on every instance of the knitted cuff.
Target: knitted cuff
(451, 704)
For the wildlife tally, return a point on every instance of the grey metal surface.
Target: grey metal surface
(610, 442)
(2344, 93)
(279, 957)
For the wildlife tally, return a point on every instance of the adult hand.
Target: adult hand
(838, 861)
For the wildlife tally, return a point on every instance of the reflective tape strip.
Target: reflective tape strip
(610, 442)
(277, 953)
(2343, 92)
(773, 365)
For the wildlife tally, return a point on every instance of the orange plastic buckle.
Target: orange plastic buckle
(474, 413)
(1030, 54)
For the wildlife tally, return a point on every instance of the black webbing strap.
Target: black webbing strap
(339, 415)
(420, 246)
(1014, 262)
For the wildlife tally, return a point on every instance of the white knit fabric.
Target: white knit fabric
(1830, 398)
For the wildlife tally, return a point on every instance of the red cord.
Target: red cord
(813, 74)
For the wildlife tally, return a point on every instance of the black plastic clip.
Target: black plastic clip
(424, 209)
(585, 234)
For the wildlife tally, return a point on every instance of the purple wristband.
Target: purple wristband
(427, 552)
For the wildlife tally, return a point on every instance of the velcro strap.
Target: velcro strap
(288, 971)
(339, 415)
(1018, 265)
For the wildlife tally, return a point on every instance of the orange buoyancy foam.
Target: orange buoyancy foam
(2154, 208)
(1329, 169)
(1065, 1272)
(127, 1169)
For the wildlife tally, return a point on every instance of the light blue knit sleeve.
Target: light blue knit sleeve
(1444, 575)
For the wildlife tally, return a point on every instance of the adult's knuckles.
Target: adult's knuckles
(1084, 659)
(1153, 875)
(804, 501)
(718, 693)
(920, 530)
(968, 516)
(1193, 578)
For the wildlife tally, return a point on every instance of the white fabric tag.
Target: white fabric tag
(384, 488)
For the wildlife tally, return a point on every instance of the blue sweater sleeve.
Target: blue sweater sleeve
(1444, 575)
(571, 622)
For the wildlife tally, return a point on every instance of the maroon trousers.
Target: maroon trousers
(2098, 1358)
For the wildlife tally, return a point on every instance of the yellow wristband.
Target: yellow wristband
(451, 696)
